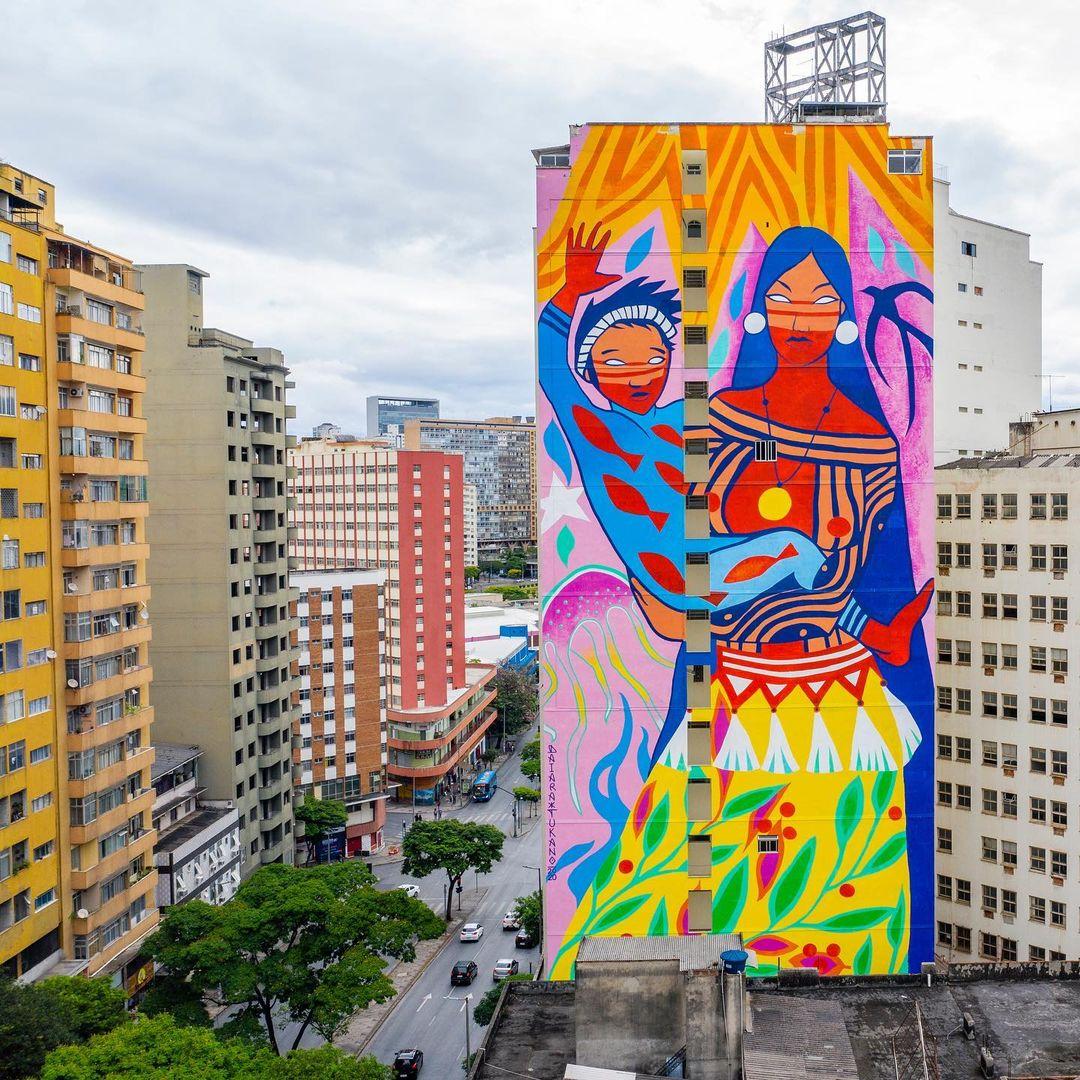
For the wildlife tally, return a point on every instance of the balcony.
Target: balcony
(461, 743)
(112, 864)
(73, 320)
(107, 423)
(74, 506)
(105, 555)
(106, 378)
(93, 646)
(84, 733)
(112, 819)
(104, 599)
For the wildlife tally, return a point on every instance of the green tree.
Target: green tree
(485, 1007)
(308, 943)
(319, 818)
(530, 912)
(177, 997)
(516, 698)
(472, 573)
(453, 846)
(527, 795)
(530, 759)
(514, 572)
(38, 1018)
(157, 1048)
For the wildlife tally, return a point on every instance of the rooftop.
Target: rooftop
(1042, 460)
(1027, 1015)
(188, 828)
(170, 756)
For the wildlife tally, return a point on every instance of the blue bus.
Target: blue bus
(484, 786)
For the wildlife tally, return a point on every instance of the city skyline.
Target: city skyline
(344, 267)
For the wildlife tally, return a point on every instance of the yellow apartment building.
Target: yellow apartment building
(76, 845)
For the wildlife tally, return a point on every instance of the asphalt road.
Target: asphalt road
(431, 1015)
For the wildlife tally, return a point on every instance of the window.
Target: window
(1059, 763)
(990, 849)
(1059, 712)
(963, 556)
(944, 602)
(963, 604)
(989, 752)
(989, 605)
(1059, 661)
(1059, 608)
(1059, 558)
(1008, 506)
(989, 507)
(1038, 658)
(944, 840)
(1057, 913)
(1038, 608)
(961, 287)
(963, 652)
(7, 299)
(1038, 760)
(26, 264)
(1009, 606)
(29, 312)
(1038, 507)
(905, 162)
(1059, 506)
(944, 506)
(1037, 859)
(967, 248)
(963, 748)
(963, 506)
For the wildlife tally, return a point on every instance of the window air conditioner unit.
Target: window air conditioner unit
(1059, 627)
(988, 669)
(1057, 880)
(75, 391)
(944, 571)
(988, 913)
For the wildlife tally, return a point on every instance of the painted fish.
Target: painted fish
(664, 572)
(596, 432)
(668, 434)
(631, 501)
(671, 476)
(756, 565)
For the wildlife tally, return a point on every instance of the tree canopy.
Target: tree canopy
(530, 759)
(485, 1007)
(303, 942)
(157, 1048)
(516, 698)
(36, 1019)
(319, 818)
(453, 846)
(529, 910)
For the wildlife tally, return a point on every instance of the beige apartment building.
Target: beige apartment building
(76, 864)
(1008, 766)
(225, 656)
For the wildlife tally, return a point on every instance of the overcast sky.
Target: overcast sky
(356, 176)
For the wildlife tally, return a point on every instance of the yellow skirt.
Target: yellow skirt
(805, 820)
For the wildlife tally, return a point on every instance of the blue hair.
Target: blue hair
(846, 364)
(639, 292)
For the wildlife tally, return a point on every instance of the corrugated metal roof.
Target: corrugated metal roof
(695, 953)
(797, 1038)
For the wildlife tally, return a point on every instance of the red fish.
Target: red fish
(596, 431)
(629, 499)
(672, 477)
(758, 564)
(668, 434)
(664, 571)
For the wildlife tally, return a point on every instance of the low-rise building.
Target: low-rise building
(198, 853)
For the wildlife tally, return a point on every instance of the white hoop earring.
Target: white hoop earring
(754, 323)
(847, 333)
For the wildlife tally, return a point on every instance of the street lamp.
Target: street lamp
(468, 1043)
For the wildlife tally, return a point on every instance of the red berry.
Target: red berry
(766, 825)
(895, 813)
(790, 833)
(787, 809)
(833, 950)
(809, 950)
(847, 889)
(626, 866)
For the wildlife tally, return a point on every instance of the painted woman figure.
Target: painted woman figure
(815, 675)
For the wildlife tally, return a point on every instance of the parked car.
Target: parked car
(524, 939)
(472, 931)
(511, 921)
(411, 890)
(408, 1063)
(463, 973)
(504, 969)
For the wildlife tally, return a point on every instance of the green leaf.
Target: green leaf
(789, 887)
(617, 914)
(656, 826)
(882, 791)
(864, 958)
(730, 898)
(564, 544)
(607, 868)
(748, 802)
(848, 812)
(885, 855)
(894, 932)
(659, 925)
(722, 852)
(861, 919)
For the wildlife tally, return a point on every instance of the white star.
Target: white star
(561, 501)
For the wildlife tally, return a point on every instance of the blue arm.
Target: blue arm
(558, 382)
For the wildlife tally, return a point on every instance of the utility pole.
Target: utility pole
(468, 1038)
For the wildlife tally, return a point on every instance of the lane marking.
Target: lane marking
(423, 1003)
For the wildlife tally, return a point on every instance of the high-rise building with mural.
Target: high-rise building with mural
(736, 529)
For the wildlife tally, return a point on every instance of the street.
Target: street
(431, 1015)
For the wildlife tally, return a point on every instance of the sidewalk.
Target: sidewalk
(364, 1024)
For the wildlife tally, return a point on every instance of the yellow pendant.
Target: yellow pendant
(774, 504)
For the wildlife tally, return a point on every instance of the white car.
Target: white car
(504, 969)
(511, 921)
(472, 931)
(411, 890)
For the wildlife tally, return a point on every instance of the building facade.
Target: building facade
(226, 655)
(736, 539)
(76, 874)
(500, 463)
(342, 749)
(1007, 616)
(359, 505)
(988, 331)
(389, 415)
(468, 517)
(198, 852)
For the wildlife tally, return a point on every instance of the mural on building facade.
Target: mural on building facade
(735, 556)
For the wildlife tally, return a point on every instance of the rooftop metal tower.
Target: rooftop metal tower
(846, 79)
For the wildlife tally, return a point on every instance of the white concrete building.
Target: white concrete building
(1008, 795)
(472, 551)
(987, 331)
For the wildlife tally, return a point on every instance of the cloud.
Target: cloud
(356, 175)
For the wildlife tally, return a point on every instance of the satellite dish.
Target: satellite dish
(50, 653)
(73, 684)
(143, 615)
(72, 587)
(82, 913)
